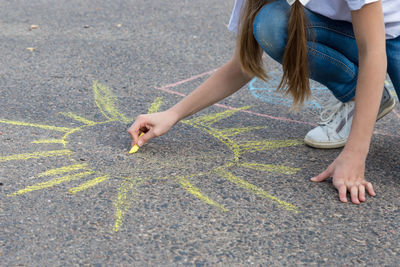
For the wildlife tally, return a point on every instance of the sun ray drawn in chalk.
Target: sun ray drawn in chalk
(89, 177)
(238, 148)
(105, 101)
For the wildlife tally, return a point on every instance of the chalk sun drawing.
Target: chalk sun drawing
(128, 184)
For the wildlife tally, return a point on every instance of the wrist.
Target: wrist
(358, 144)
(359, 152)
(173, 115)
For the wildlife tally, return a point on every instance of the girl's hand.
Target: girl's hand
(152, 125)
(347, 172)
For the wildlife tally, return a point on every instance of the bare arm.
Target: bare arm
(369, 31)
(225, 81)
(349, 167)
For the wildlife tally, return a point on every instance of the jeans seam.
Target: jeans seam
(331, 29)
(338, 63)
(334, 60)
(347, 95)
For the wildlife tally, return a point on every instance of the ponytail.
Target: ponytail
(249, 51)
(295, 62)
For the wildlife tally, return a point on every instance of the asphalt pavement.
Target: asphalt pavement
(228, 186)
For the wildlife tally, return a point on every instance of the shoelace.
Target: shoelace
(332, 107)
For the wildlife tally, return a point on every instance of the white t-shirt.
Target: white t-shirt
(339, 10)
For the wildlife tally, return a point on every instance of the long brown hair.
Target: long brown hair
(295, 61)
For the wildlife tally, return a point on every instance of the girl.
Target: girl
(346, 45)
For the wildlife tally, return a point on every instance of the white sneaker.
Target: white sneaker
(336, 119)
(334, 127)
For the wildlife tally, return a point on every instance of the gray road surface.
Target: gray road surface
(209, 193)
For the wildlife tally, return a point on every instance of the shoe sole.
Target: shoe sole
(342, 143)
(325, 145)
(387, 109)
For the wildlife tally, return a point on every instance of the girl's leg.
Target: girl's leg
(336, 70)
(393, 59)
(333, 62)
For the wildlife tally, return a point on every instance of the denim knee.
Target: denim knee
(270, 28)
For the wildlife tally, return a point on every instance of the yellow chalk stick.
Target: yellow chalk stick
(135, 148)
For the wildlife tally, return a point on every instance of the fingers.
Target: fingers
(134, 133)
(138, 127)
(370, 188)
(143, 139)
(148, 126)
(347, 172)
(361, 193)
(354, 195)
(357, 193)
(342, 193)
(322, 176)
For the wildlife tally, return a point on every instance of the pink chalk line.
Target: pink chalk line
(244, 111)
(190, 79)
(265, 115)
(385, 134)
(397, 114)
(165, 89)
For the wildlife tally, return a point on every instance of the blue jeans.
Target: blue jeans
(332, 48)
